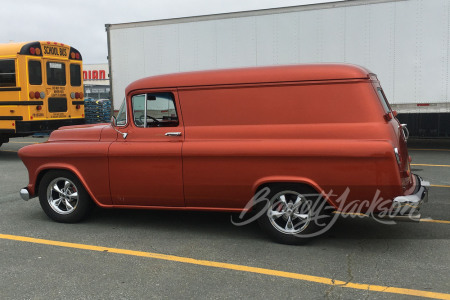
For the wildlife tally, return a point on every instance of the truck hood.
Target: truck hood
(89, 132)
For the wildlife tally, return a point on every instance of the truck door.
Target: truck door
(146, 166)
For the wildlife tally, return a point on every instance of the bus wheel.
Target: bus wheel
(63, 198)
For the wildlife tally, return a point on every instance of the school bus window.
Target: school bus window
(34, 72)
(75, 75)
(7, 72)
(56, 73)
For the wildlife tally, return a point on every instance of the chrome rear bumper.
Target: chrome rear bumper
(406, 208)
(407, 205)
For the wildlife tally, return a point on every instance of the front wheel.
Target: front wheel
(63, 198)
(294, 214)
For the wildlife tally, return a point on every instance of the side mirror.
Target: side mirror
(114, 125)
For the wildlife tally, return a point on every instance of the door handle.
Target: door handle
(173, 134)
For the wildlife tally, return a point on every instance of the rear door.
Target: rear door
(56, 78)
(400, 134)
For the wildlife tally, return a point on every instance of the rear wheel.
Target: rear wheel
(63, 198)
(295, 214)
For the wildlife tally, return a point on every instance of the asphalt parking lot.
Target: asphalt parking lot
(129, 254)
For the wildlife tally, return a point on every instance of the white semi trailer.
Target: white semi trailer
(405, 42)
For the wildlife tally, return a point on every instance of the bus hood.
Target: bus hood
(88, 132)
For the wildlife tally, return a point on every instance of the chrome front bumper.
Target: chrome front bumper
(25, 194)
(410, 204)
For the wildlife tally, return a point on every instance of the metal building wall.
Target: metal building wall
(405, 42)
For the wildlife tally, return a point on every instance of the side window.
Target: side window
(154, 110)
(383, 100)
(75, 75)
(121, 119)
(7, 72)
(34, 72)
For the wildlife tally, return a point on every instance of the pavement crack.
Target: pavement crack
(329, 291)
(349, 268)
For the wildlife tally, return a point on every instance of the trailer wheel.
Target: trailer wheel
(63, 198)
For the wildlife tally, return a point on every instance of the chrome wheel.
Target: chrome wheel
(289, 212)
(62, 195)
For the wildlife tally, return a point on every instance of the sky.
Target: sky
(81, 23)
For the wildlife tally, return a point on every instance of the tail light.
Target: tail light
(39, 107)
(74, 54)
(35, 51)
(37, 95)
(78, 106)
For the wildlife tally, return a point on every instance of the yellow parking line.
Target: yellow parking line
(242, 268)
(428, 165)
(434, 221)
(413, 149)
(8, 151)
(438, 185)
(23, 143)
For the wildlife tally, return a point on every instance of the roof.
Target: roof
(11, 48)
(272, 74)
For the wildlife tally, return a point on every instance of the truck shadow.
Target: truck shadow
(189, 224)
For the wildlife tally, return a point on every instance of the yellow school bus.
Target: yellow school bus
(41, 88)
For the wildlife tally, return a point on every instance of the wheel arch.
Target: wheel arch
(40, 173)
(303, 181)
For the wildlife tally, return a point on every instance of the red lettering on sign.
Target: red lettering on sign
(94, 75)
